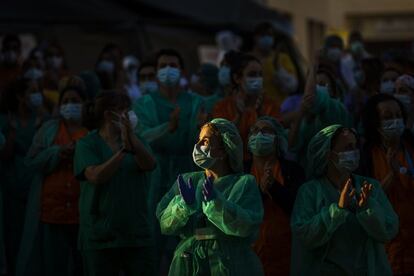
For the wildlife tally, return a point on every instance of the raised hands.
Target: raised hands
(187, 190)
(347, 194)
(208, 189)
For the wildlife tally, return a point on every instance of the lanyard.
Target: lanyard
(410, 163)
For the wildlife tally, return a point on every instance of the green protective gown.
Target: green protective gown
(326, 111)
(43, 158)
(216, 237)
(16, 179)
(328, 240)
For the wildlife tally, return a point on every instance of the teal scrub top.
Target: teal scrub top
(112, 214)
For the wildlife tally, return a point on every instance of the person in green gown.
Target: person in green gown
(169, 120)
(318, 110)
(216, 212)
(25, 112)
(340, 220)
(113, 164)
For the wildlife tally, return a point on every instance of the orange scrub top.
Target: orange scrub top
(60, 192)
(401, 195)
(273, 245)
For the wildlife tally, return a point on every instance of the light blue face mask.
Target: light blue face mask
(36, 99)
(224, 76)
(348, 160)
(266, 42)
(148, 87)
(262, 144)
(393, 128)
(254, 85)
(202, 157)
(105, 66)
(33, 74)
(334, 54)
(71, 111)
(320, 89)
(169, 76)
(357, 47)
(387, 87)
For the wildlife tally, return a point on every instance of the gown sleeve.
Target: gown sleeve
(314, 226)
(241, 213)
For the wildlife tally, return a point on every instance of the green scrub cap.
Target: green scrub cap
(232, 142)
(318, 148)
(281, 133)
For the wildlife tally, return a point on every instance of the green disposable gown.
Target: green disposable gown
(328, 240)
(326, 111)
(216, 236)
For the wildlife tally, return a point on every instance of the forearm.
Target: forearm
(143, 157)
(101, 173)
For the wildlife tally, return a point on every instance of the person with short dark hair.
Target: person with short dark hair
(249, 101)
(113, 164)
(169, 119)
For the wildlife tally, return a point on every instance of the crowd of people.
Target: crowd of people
(137, 167)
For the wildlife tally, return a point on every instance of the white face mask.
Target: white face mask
(202, 157)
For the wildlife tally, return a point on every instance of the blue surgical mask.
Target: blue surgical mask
(387, 87)
(334, 54)
(106, 66)
(202, 157)
(36, 99)
(320, 89)
(266, 42)
(393, 128)
(262, 144)
(169, 76)
(33, 74)
(357, 47)
(224, 75)
(71, 111)
(254, 85)
(348, 160)
(149, 87)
